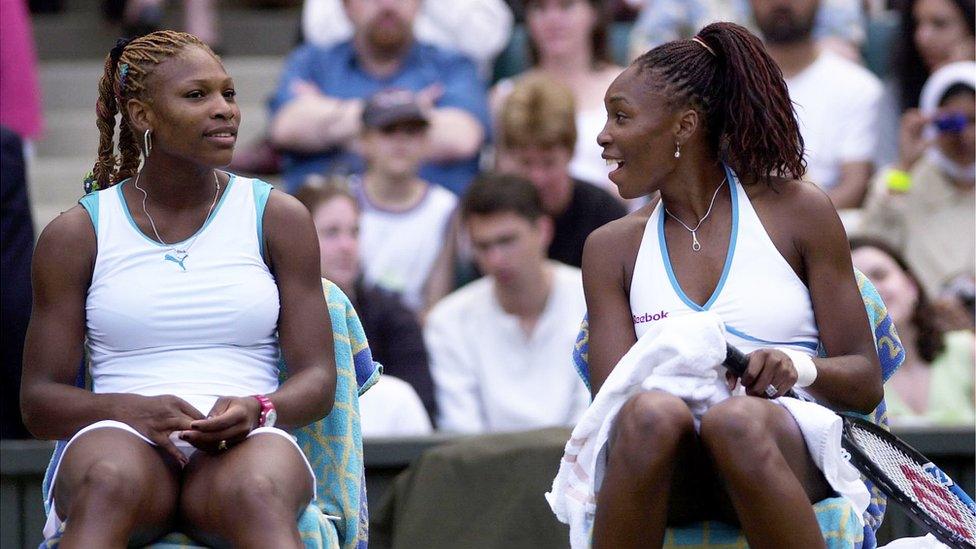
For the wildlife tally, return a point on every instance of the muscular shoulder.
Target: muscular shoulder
(796, 211)
(284, 209)
(288, 228)
(68, 243)
(611, 250)
(628, 229)
(801, 201)
(72, 228)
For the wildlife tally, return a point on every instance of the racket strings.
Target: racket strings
(916, 483)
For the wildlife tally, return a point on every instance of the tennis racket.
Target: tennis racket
(931, 498)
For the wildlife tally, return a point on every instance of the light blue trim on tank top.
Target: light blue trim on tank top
(128, 214)
(90, 203)
(732, 181)
(262, 190)
(813, 345)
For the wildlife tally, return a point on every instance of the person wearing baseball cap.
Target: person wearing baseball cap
(407, 222)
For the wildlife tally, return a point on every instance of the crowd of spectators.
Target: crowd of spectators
(424, 168)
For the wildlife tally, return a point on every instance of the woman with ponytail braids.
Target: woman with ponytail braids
(707, 125)
(185, 284)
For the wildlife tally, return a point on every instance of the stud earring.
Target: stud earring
(677, 149)
(147, 143)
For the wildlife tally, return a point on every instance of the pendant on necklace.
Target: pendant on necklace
(178, 257)
(695, 246)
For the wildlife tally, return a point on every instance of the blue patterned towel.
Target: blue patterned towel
(333, 445)
(840, 528)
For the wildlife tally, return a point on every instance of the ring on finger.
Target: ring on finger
(222, 446)
(771, 390)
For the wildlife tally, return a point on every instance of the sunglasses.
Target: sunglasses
(951, 122)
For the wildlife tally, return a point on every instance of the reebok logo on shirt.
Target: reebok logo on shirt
(648, 317)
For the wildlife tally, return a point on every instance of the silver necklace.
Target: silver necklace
(695, 245)
(178, 255)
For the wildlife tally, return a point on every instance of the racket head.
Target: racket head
(901, 473)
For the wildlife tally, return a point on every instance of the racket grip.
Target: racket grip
(735, 360)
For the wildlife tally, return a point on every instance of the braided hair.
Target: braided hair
(725, 74)
(126, 69)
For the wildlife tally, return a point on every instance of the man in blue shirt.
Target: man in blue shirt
(317, 110)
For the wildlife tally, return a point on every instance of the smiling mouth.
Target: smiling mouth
(615, 163)
(223, 139)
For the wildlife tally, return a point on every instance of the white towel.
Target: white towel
(682, 356)
(821, 430)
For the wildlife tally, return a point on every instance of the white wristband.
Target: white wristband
(806, 370)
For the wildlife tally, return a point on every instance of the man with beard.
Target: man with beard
(836, 100)
(316, 113)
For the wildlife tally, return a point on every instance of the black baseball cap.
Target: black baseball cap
(393, 106)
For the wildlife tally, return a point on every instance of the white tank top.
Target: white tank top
(399, 248)
(759, 297)
(200, 329)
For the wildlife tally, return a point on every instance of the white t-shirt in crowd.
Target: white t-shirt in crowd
(837, 104)
(399, 248)
(392, 408)
(490, 376)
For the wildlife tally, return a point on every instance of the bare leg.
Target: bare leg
(759, 451)
(114, 488)
(632, 506)
(248, 496)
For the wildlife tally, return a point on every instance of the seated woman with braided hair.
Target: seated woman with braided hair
(185, 284)
(709, 125)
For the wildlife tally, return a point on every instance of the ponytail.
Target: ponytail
(106, 108)
(726, 74)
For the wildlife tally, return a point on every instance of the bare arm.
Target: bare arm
(608, 306)
(61, 272)
(304, 325)
(454, 134)
(853, 185)
(850, 378)
(313, 122)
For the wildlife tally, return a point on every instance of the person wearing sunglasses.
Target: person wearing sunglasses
(924, 204)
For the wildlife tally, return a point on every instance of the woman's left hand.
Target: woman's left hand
(228, 423)
(768, 369)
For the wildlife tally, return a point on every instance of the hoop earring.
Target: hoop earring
(147, 143)
(677, 149)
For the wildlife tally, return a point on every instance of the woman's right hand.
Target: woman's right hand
(911, 139)
(158, 416)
